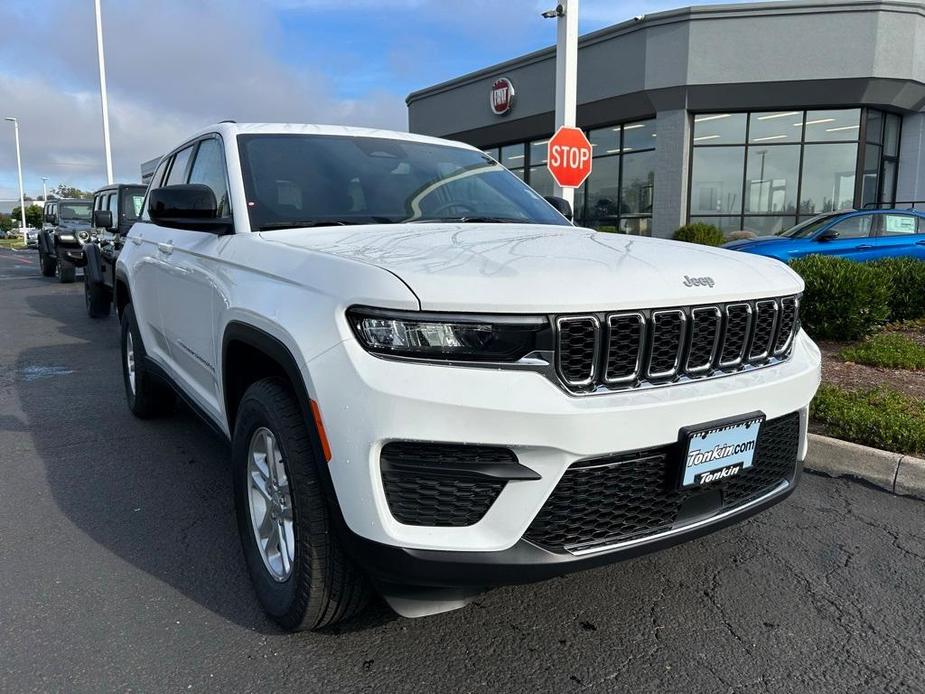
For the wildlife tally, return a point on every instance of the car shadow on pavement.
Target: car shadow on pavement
(155, 493)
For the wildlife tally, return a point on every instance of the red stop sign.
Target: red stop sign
(569, 157)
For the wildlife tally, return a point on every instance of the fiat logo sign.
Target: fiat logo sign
(502, 96)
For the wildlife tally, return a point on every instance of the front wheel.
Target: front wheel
(65, 272)
(301, 575)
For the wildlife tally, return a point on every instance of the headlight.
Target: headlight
(450, 337)
(83, 235)
(67, 238)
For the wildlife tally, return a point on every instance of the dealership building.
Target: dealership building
(749, 116)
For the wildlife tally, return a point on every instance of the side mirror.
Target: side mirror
(829, 235)
(561, 204)
(51, 218)
(188, 206)
(102, 219)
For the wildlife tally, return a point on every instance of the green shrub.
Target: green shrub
(889, 350)
(698, 232)
(907, 277)
(843, 300)
(881, 418)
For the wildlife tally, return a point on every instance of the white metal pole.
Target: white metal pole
(45, 188)
(103, 97)
(22, 195)
(566, 75)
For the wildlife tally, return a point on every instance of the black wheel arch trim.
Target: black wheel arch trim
(93, 263)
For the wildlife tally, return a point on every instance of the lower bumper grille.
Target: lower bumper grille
(629, 496)
(428, 484)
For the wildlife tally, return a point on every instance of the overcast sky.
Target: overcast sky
(174, 66)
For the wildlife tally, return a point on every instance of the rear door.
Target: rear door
(901, 234)
(854, 241)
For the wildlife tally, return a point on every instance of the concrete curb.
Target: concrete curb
(894, 472)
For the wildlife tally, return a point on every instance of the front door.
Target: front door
(854, 239)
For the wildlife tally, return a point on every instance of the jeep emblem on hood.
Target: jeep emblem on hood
(698, 281)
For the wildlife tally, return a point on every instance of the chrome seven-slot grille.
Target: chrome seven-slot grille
(631, 348)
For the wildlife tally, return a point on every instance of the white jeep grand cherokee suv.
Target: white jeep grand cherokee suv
(433, 384)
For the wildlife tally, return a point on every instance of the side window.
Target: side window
(209, 169)
(113, 206)
(130, 204)
(901, 225)
(178, 168)
(156, 182)
(98, 202)
(854, 227)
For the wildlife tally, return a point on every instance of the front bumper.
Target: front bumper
(367, 402)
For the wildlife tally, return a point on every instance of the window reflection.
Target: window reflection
(828, 126)
(775, 126)
(716, 177)
(828, 177)
(771, 179)
(719, 128)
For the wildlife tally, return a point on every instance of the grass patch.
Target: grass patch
(881, 418)
(889, 350)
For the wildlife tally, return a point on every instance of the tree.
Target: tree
(63, 191)
(34, 215)
(6, 222)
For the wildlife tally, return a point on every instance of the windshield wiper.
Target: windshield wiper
(310, 223)
(468, 220)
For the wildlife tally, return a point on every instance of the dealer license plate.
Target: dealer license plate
(719, 450)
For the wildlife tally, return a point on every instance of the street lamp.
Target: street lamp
(22, 195)
(45, 188)
(104, 99)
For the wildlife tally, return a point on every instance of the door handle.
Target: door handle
(864, 247)
(920, 243)
(136, 240)
(165, 248)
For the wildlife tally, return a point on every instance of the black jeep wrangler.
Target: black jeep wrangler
(115, 209)
(62, 239)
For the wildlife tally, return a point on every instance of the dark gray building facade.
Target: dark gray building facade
(750, 116)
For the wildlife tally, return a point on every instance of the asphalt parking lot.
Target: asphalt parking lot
(120, 568)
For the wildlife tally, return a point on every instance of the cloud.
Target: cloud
(169, 73)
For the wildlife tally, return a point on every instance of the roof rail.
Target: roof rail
(892, 205)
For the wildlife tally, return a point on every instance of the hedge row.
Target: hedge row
(847, 300)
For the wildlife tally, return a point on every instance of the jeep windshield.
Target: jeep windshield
(75, 211)
(293, 180)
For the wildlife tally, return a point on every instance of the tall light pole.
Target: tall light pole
(22, 195)
(566, 15)
(103, 97)
(45, 188)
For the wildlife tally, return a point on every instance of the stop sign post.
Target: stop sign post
(569, 157)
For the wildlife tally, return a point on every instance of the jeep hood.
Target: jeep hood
(512, 268)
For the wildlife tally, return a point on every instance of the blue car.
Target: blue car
(861, 235)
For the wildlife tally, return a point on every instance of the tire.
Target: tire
(97, 298)
(147, 396)
(322, 585)
(47, 264)
(65, 272)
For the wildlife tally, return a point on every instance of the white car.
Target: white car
(433, 383)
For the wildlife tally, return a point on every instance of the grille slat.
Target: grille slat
(607, 351)
(578, 349)
(628, 496)
(625, 344)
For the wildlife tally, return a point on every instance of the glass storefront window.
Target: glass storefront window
(512, 156)
(724, 224)
(768, 226)
(775, 126)
(828, 177)
(889, 181)
(771, 179)
(891, 135)
(637, 189)
(538, 152)
(638, 136)
(716, 180)
(870, 183)
(828, 126)
(541, 180)
(603, 191)
(874, 128)
(605, 141)
(719, 128)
